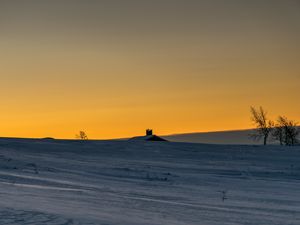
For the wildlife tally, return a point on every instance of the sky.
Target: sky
(114, 68)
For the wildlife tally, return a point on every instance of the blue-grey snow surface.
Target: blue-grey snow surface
(142, 183)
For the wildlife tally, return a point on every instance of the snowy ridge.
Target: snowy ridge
(139, 183)
(233, 137)
(236, 137)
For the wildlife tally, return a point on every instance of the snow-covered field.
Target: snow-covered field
(138, 183)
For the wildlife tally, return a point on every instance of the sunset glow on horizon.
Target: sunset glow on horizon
(115, 68)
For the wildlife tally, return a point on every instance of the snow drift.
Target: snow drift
(139, 183)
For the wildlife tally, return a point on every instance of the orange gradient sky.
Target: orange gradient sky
(114, 68)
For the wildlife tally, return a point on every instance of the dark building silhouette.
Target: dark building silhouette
(149, 132)
(148, 137)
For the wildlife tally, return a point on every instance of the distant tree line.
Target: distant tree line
(283, 130)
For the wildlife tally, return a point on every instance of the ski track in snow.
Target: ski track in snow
(143, 183)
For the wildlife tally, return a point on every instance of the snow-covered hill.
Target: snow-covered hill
(143, 183)
(234, 137)
(240, 137)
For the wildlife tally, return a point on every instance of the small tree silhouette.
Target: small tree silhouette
(263, 125)
(82, 135)
(289, 130)
(278, 133)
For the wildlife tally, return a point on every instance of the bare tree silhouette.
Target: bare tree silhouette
(82, 135)
(263, 124)
(289, 130)
(278, 133)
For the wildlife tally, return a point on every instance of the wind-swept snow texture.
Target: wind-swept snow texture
(142, 183)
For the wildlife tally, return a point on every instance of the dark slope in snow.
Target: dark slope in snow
(139, 183)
